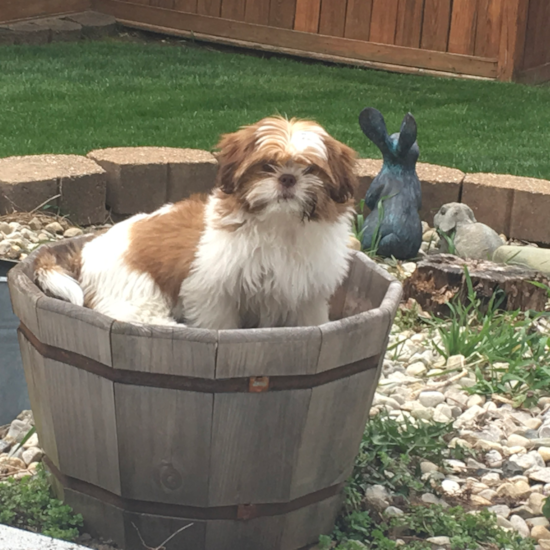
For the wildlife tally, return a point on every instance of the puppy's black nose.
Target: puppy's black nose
(287, 180)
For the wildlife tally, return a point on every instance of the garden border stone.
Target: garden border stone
(95, 25)
(28, 32)
(29, 181)
(141, 179)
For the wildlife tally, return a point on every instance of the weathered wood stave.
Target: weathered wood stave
(159, 426)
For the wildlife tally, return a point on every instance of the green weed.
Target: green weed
(508, 354)
(29, 504)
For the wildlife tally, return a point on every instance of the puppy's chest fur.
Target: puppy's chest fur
(269, 268)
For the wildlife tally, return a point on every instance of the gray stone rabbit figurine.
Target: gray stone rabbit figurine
(394, 197)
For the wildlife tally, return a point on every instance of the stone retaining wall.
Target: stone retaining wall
(127, 180)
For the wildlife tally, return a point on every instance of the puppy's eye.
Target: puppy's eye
(268, 168)
(309, 169)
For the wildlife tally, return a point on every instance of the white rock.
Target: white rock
(416, 369)
(393, 512)
(478, 400)
(445, 411)
(467, 382)
(503, 522)
(532, 522)
(478, 500)
(73, 232)
(533, 423)
(518, 523)
(431, 398)
(35, 224)
(439, 541)
(430, 498)
(468, 416)
(455, 397)
(34, 454)
(528, 460)
(536, 502)
(517, 450)
(18, 430)
(427, 467)
(450, 487)
(540, 533)
(378, 496)
(544, 452)
(422, 413)
(493, 459)
(500, 510)
(5, 228)
(540, 474)
(54, 227)
(518, 440)
(489, 494)
(456, 466)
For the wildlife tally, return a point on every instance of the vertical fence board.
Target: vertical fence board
(383, 21)
(409, 23)
(512, 39)
(537, 44)
(281, 13)
(463, 27)
(333, 17)
(233, 9)
(435, 26)
(189, 6)
(489, 22)
(307, 15)
(257, 11)
(209, 7)
(358, 19)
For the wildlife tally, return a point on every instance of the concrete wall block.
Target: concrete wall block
(530, 219)
(27, 182)
(137, 178)
(190, 171)
(490, 196)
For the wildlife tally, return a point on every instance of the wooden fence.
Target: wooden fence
(496, 39)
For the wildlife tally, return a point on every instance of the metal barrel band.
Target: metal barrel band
(241, 512)
(195, 384)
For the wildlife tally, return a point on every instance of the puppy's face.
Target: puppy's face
(277, 165)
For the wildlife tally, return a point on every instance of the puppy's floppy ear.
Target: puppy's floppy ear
(341, 163)
(233, 151)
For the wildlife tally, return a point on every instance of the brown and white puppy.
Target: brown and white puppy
(268, 247)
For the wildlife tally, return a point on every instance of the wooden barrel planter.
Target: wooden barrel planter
(248, 435)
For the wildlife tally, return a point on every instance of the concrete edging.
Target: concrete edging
(17, 539)
(129, 180)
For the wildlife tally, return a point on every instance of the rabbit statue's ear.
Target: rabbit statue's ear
(407, 135)
(374, 127)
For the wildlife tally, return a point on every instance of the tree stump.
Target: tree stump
(442, 277)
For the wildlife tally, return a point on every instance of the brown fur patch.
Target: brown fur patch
(165, 245)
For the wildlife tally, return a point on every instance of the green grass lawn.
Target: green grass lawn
(71, 98)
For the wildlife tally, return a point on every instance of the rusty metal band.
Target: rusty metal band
(233, 512)
(195, 384)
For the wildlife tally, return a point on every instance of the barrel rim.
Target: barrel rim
(389, 301)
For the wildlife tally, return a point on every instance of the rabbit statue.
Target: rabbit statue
(394, 197)
(471, 239)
